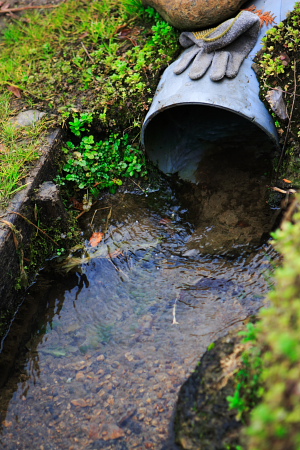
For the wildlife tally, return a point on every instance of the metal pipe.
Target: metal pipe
(188, 117)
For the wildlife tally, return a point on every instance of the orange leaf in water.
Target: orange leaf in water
(15, 90)
(286, 181)
(96, 238)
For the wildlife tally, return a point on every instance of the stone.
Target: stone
(111, 431)
(202, 417)
(28, 118)
(194, 14)
(50, 204)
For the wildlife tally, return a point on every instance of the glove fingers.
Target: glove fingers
(240, 49)
(186, 59)
(234, 64)
(219, 64)
(200, 65)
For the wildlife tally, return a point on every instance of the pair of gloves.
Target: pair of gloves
(224, 48)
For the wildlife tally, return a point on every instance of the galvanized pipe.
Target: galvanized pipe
(188, 118)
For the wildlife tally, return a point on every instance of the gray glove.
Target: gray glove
(224, 47)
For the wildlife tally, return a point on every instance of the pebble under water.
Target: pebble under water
(110, 334)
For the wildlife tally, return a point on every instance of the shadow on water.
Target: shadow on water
(95, 358)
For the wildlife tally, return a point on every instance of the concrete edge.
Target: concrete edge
(44, 170)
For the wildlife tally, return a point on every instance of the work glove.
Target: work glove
(224, 47)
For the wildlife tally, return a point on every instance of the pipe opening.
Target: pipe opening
(177, 138)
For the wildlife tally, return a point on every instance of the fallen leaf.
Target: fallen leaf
(3, 148)
(129, 34)
(96, 238)
(80, 402)
(286, 181)
(15, 90)
(76, 204)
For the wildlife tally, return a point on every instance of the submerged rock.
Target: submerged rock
(193, 14)
(203, 419)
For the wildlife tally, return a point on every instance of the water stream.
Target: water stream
(107, 345)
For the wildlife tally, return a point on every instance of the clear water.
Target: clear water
(106, 347)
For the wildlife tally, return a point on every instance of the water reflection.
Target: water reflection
(108, 346)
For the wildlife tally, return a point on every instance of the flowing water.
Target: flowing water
(100, 352)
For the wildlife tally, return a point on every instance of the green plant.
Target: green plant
(249, 386)
(271, 66)
(79, 124)
(275, 422)
(19, 148)
(102, 164)
(134, 6)
(60, 251)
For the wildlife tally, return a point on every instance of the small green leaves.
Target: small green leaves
(81, 123)
(101, 164)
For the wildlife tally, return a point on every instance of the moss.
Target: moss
(277, 66)
(275, 420)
